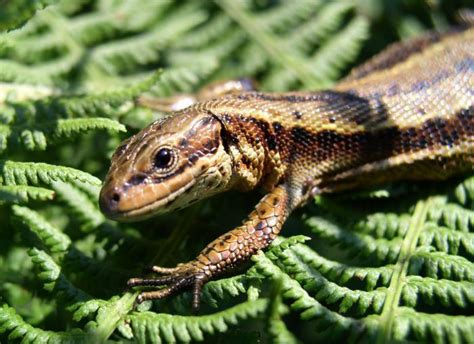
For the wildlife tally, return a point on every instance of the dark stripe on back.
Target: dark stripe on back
(378, 145)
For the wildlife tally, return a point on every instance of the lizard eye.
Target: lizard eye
(164, 158)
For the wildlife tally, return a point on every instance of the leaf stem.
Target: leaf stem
(388, 315)
(109, 320)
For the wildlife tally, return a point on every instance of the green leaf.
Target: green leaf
(39, 135)
(149, 327)
(16, 13)
(23, 173)
(18, 329)
(24, 193)
(52, 238)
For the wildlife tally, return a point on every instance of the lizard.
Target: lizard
(407, 113)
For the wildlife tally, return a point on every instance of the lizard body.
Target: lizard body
(408, 113)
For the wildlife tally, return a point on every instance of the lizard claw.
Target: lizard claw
(175, 279)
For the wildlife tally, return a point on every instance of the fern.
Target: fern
(24, 193)
(52, 238)
(396, 265)
(15, 13)
(148, 326)
(23, 173)
(36, 136)
(17, 328)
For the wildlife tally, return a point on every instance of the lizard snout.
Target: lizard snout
(109, 201)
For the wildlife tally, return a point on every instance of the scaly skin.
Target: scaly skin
(406, 114)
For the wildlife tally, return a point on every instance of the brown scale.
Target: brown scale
(406, 114)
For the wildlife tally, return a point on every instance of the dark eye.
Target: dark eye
(164, 158)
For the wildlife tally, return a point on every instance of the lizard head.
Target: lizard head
(168, 165)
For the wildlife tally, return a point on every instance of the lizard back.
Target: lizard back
(405, 117)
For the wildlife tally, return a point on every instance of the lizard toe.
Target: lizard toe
(184, 276)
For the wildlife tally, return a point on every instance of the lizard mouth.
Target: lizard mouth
(144, 211)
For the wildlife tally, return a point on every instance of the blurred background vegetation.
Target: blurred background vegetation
(69, 74)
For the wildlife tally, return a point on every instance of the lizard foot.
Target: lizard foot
(174, 280)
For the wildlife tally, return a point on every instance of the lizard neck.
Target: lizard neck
(252, 144)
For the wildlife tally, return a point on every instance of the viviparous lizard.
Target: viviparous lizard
(408, 113)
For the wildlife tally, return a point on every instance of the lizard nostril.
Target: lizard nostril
(109, 202)
(115, 198)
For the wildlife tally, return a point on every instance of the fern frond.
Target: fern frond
(280, 333)
(15, 13)
(263, 37)
(464, 192)
(90, 307)
(89, 29)
(91, 190)
(68, 127)
(441, 265)
(101, 103)
(288, 14)
(342, 273)
(444, 239)
(24, 193)
(453, 216)
(333, 57)
(383, 250)
(438, 328)
(277, 330)
(18, 329)
(38, 135)
(55, 281)
(12, 71)
(357, 301)
(5, 133)
(49, 111)
(303, 303)
(52, 238)
(149, 327)
(23, 173)
(183, 79)
(326, 21)
(384, 225)
(328, 60)
(122, 56)
(51, 70)
(222, 289)
(80, 204)
(205, 35)
(438, 292)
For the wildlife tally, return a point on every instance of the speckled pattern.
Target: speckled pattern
(408, 113)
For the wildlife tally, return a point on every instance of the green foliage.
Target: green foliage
(23, 173)
(15, 13)
(396, 265)
(150, 326)
(23, 193)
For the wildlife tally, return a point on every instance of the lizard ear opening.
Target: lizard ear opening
(226, 137)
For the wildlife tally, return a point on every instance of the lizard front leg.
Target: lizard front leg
(227, 251)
